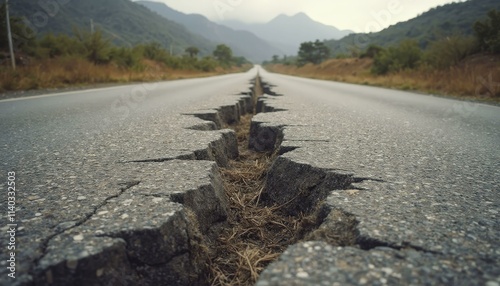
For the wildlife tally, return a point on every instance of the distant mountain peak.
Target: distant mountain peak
(243, 43)
(298, 16)
(288, 32)
(301, 15)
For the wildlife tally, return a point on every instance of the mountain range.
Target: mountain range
(242, 43)
(280, 36)
(288, 32)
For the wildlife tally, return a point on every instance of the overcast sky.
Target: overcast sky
(356, 15)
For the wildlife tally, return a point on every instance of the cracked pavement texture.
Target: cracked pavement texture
(431, 170)
(99, 173)
(78, 194)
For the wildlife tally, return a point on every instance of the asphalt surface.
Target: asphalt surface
(420, 174)
(80, 156)
(107, 181)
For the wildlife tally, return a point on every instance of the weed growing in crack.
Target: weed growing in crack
(256, 233)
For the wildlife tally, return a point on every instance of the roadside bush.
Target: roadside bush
(125, 57)
(188, 62)
(372, 51)
(52, 46)
(342, 56)
(447, 52)
(154, 51)
(406, 55)
(206, 64)
(240, 61)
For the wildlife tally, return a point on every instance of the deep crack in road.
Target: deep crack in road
(389, 187)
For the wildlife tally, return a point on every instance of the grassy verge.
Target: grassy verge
(73, 71)
(476, 78)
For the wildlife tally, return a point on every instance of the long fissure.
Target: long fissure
(257, 230)
(256, 233)
(252, 205)
(261, 202)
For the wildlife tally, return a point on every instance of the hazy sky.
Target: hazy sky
(357, 15)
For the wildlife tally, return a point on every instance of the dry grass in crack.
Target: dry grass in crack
(256, 234)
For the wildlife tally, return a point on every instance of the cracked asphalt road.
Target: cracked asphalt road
(430, 167)
(434, 165)
(69, 153)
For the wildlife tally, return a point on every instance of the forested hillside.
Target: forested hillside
(125, 22)
(437, 23)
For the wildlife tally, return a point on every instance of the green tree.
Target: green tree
(406, 55)
(97, 47)
(61, 45)
(276, 59)
(313, 52)
(240, 61)
(306, 53)
(22, 36)
(192, 51)
(223, 54)
(488, 32)
(372, 51)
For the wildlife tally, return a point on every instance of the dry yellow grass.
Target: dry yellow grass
(477, 77)
(72, 71)
(256, 233)
(257, 230)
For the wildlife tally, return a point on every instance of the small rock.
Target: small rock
(352, 192)
(72, 264)
(99, 272)
(387, 270)
(302, 275)
(128, 202)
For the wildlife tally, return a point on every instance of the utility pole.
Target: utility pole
(9, 35)
(91, 26)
